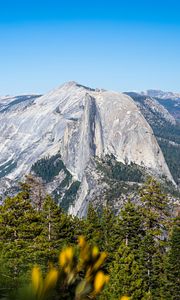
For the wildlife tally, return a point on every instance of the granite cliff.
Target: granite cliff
(81, 124)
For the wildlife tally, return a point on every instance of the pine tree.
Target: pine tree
(154, 209)
(46, 243)
(58, 231)
(92, 227)
(125, 268)
(173, 263)
(34, 188)
(108, 222)
(131, 225)
(19, 225)
(125, 276)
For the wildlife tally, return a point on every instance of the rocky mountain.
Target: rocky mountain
(165, 127)
(171, 101)
(153, 111)
(69, 133)
(161, 94)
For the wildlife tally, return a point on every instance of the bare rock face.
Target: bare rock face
(151, 109)
(80, 122)
(83, 139)
(111, 123)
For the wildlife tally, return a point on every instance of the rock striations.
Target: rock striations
(81, 123)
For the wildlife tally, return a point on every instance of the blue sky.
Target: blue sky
(117, 45)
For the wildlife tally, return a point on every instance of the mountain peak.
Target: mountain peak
(70, 84)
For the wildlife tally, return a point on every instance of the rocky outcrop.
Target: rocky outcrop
(83, 139)
(152, 110)
(80, 122)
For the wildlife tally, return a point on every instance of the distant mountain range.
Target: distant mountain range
(171, 101)
(89, 144)
(161, 94)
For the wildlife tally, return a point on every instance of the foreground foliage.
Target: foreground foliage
(78, 275)
(142, 242)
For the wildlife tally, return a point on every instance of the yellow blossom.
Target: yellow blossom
(50, 280)
(66, 256)
(69, 253)
(95, 251)
(62, 258)
(100, 261)
(36, 279)
(82, 241)
(124, 298)
(100, 281)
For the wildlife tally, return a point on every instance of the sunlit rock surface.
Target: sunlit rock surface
(79, 122)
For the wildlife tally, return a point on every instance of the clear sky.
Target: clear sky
(117, 45)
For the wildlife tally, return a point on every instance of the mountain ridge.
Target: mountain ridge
(80, 123)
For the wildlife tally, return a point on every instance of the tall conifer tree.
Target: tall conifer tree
(173, 263)
(125, 276)
(19, 226)
(154, 209)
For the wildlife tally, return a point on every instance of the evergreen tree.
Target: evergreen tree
(59, 229)
(131, 225)
(108, 222)
(19, 226)
(92, 227)
(47, 243)
(34, 187)
(125, 276)
(173, 263)
(154, 209)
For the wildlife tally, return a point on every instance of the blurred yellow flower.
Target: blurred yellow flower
(62, 258)
(100, 261)
(100, 281)
(81, 241)
(36, 279)
(86, 260)
(124, 298)
(66, 256)
(95, 252)
(69, 253)
(50, 280)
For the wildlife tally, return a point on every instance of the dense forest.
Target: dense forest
(47, 169)
(141, 242)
